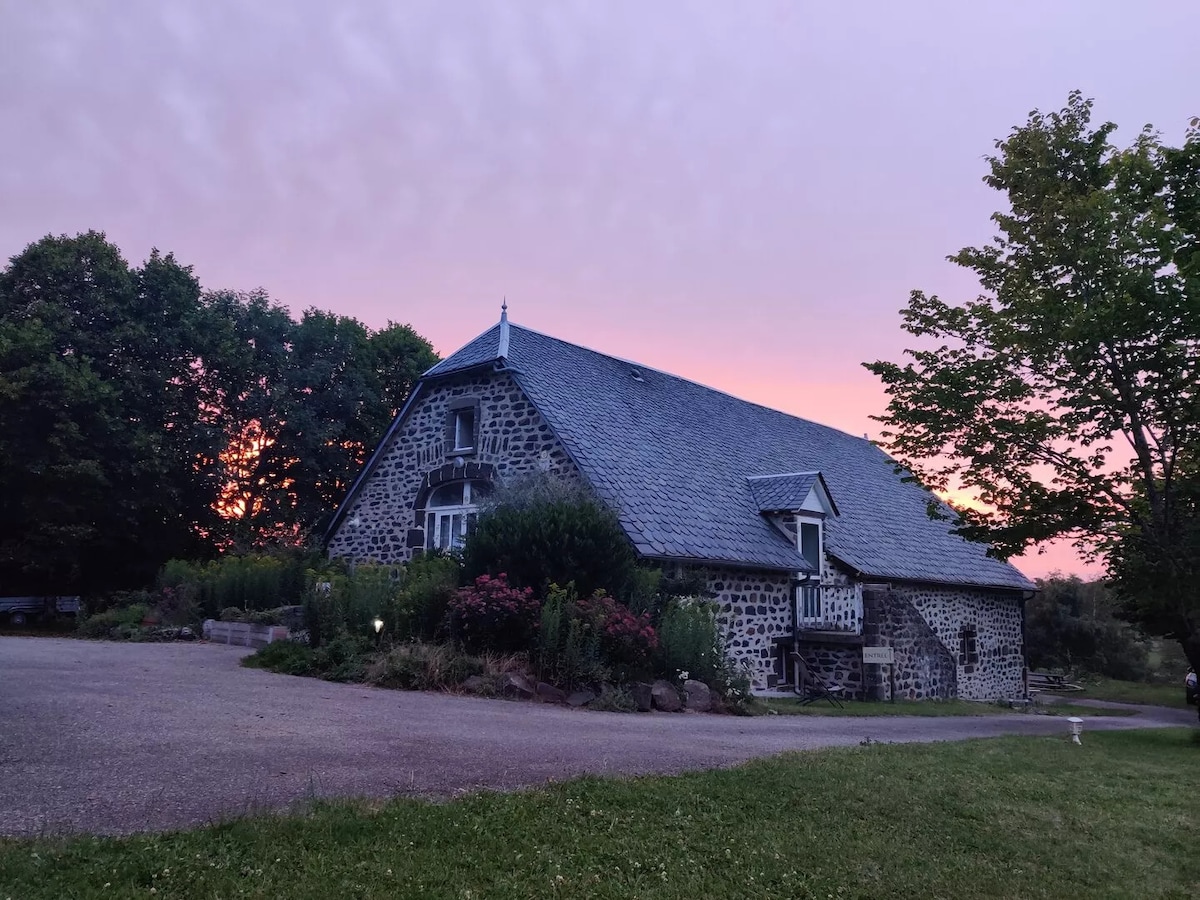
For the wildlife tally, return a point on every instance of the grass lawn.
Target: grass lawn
(788, 707)
(1010, 817)
(1098, 688)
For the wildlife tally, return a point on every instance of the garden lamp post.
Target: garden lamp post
(1076, 725)
(377, 623)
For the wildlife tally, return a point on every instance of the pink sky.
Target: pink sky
(743, 194)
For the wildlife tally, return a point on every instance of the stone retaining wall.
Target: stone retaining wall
(242, 634)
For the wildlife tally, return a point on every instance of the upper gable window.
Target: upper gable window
(462, 429)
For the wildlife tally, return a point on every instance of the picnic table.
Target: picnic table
(1051, 681)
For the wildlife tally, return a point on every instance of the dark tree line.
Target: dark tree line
(1074, 625)
(143, 418)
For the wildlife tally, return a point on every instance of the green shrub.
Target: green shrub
(492, 615)
(119, 600)
(286, 657)
(177, 605)
(344, 658)
(120, 623)
(265, 616)
(614, 699)
(422, 667)
(690, 641)
(568, 650)
(427, 586)
(350, 602)
(540, 530)
(644, 592)
(253, 581)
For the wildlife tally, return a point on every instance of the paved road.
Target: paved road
(112, 738)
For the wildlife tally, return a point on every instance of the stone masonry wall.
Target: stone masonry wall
(924, 668)
(991, 665)
(511, 438)
(754, 610)
(836, 665)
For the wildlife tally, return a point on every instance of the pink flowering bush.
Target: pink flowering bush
(626, 639)
(492, 615)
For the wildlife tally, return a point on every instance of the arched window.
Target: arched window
(450, 513)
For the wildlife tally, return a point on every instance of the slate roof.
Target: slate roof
(777, 493)
(675, 459)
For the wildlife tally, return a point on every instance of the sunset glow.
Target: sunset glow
(740, 194)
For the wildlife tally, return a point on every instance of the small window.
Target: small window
(810, 544)
(464, 429)
(968, 648)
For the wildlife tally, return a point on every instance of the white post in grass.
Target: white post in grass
(1076, 725)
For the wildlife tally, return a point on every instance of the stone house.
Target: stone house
(807, 536)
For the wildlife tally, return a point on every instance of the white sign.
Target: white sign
(878, 655)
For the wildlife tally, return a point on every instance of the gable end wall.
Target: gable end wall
(995, 617)
(512, 437)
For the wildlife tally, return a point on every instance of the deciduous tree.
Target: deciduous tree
(1065, 395)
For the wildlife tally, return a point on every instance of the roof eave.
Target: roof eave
(726, 563)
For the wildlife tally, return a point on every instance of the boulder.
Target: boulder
(515, 685)
(666, 697)
(548, 693)
(580, 698)
(643, 696)
(697, 695)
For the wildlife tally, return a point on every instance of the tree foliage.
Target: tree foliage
(304, 404)
(142, 418)
(1065, 395)
(1071, 624)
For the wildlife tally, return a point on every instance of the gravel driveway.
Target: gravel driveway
(112, 738)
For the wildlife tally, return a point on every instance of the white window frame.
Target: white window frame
(809, 602)
(446, 527)
(801, 521)
(464, 429)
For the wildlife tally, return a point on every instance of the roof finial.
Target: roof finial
(502, 350)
